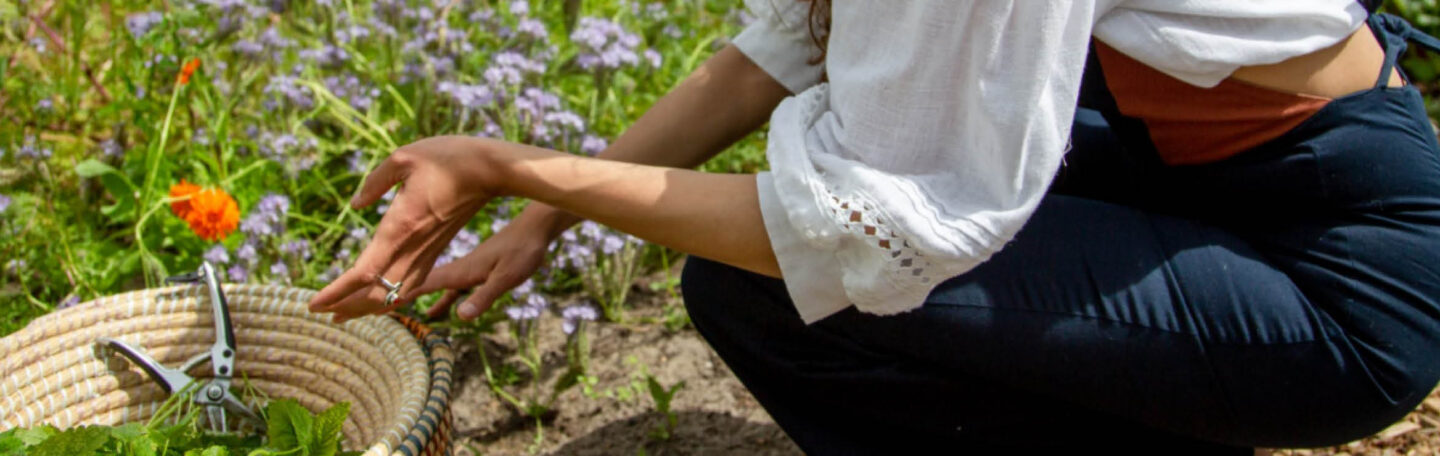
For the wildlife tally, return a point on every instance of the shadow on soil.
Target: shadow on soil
(696, 432)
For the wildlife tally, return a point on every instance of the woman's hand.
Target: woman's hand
(499, 264)
(446, 180)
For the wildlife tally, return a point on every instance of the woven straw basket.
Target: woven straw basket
(399, 390)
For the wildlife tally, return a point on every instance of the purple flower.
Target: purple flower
(611, 244)
(354, 92)
(217, 255)
(16, 265)
(532, 27)
(385, 200)
(330, 56)
(224, 5)
(359, 233)
(238, 273)
(591, 230)
(511, 68)
(299, 248)
(526, 287)
(271, 39)
(287, 91)
(656, 11)
(280, 270)
(593, 145)
(201, 137)
(45, 104)
(472, 97)
(330, 274)
(462, 244)
(248, 48)
(653, 57)
(522, 313)
(69, 301)
(565, 119)
(296, 153)
(268, 216)
(247, 253)
(481, 16)
(604, 45)
(573, 315)
(110, 148)
(356, 162)
(497, 225)
(4, 203)
(359, 95)
(32, 151)
(520, 7)
(141, 23)
(490, 130)
(536, 300)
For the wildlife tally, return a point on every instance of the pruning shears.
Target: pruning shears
(213, 393)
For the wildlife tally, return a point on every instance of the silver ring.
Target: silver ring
(394, 293)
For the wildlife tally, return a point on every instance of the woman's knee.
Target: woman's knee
(720, 294)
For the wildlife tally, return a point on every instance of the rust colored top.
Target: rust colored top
(1192, 125)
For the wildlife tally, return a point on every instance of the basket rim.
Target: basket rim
(412, 357)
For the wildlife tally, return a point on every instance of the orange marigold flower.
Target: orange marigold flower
(181, 193)
(187, 70)
(213, 214)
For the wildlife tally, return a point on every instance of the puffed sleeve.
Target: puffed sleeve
(780, 43)
(934, 140)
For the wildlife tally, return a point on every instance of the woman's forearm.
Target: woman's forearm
(716, 216)
(719, 103)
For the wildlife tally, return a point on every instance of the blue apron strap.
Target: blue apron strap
(1394, 35)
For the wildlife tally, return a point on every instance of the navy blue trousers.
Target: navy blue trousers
(1283, 297)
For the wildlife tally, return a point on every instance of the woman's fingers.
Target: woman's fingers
(403, 260)
(462, 274)
(383, 178)
(442, 306)
(482, 298)
(351, 283)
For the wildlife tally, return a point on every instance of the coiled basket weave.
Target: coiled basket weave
(393, 371)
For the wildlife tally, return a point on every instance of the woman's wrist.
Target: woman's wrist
(504, 159)
(546, 219)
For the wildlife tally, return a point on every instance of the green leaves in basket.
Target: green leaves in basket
(81, 441)
(294, 431)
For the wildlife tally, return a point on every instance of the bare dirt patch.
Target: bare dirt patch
(715, 415)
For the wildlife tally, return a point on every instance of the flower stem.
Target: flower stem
(153, 169)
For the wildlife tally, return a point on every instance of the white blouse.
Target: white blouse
(944, 121)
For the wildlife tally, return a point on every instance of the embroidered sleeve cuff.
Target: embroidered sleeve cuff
(812, 276)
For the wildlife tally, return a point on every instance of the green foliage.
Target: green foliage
(1422, 65)
(662, 397)
(293, 430)
(91, 218)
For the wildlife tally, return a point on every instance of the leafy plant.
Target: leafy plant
(662, 397)
(293, 430)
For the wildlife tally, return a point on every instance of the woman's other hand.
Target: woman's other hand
(443, 182)
(499, 264)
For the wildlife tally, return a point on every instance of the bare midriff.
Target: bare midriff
(1192, 125)
(1350, 66)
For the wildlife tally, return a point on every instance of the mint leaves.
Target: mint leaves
(293, 431)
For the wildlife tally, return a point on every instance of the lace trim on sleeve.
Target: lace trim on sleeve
(905, 278)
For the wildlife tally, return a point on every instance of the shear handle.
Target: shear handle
(170, 380)
(222, 352)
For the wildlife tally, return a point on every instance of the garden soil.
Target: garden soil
(714, 414)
